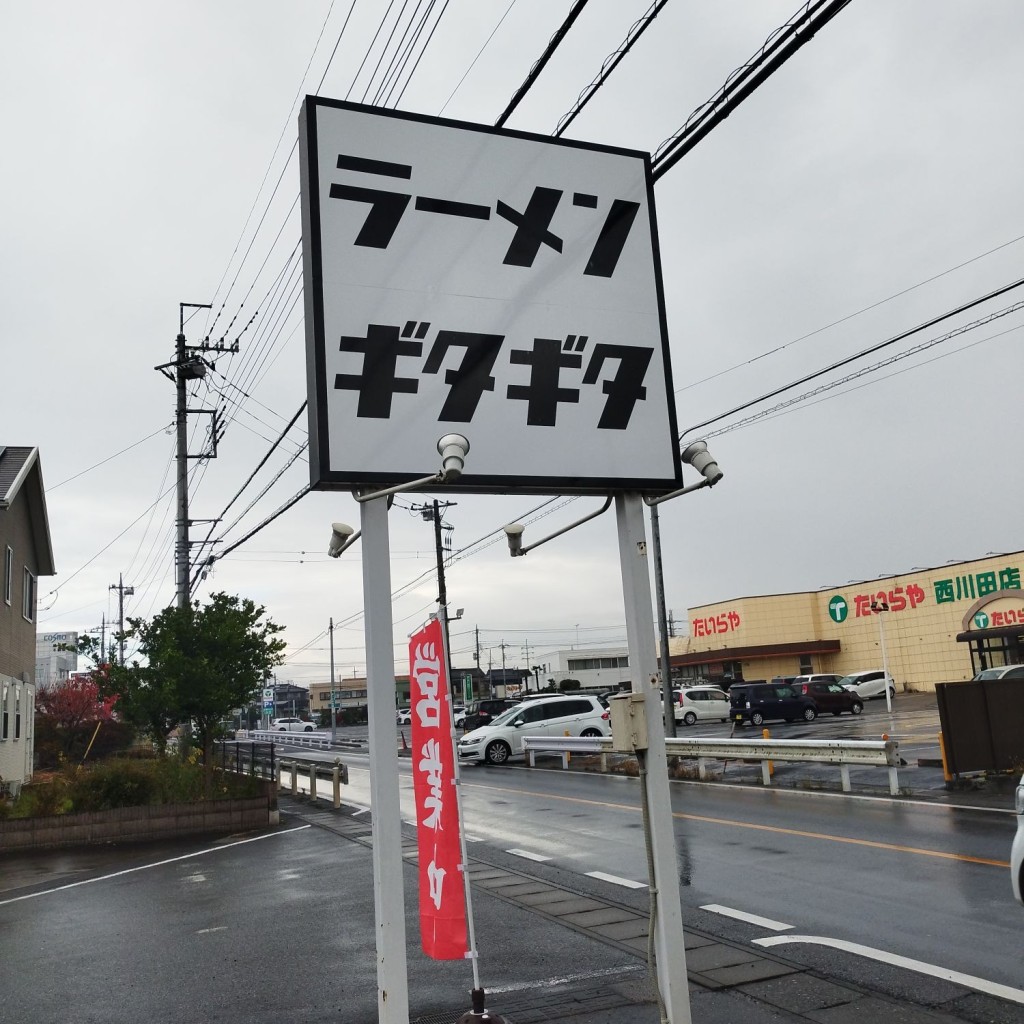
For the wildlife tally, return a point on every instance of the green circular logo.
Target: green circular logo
(838, 609)
(981, 620)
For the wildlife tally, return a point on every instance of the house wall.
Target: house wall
(17, 733)
(17, 635)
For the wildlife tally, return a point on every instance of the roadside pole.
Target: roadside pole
(388, 884)
(670, 949)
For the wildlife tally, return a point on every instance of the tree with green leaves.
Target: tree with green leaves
(202, 662)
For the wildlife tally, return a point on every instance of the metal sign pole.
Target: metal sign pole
(670, 948)
(388, 887)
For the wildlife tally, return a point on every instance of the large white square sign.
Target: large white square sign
(503, 286)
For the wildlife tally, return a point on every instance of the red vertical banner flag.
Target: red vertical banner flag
(442, 893)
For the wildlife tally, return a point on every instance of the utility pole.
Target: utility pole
(477, 655)
(334, 714)
(526, 655)
(433, 512)
(121, 591)
(188, 364)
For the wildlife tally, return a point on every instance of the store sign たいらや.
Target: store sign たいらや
(499, 285)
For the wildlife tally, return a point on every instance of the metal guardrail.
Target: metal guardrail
(337, 773)
(862, 753)
(246, 758)
(321, 740)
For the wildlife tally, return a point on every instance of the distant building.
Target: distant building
(930, 626)
(27, 554)
(56, 657)
(290, 699)
(606, 667)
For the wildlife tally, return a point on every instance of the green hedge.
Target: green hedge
(123, 782)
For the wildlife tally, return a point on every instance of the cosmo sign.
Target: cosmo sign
(499, 285)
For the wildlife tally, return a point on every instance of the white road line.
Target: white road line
(991, 988)
(741, 915)
(523, 986)
(527, 855)
(146, 867)
(474, 839)
(616, 880)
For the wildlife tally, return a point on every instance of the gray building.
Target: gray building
(56, 657)
(27, 554)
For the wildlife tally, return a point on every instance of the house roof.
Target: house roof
(21, 473)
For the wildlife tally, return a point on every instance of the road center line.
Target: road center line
(777, 829)
(991, 988)
(146, 867)
(742, 915)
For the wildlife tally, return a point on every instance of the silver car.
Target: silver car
(1017, 850)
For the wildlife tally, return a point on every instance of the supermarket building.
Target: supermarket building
(937, 625)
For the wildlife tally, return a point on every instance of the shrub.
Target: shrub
(43, 797)
(123, 782)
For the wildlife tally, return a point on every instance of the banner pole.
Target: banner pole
(442, 610)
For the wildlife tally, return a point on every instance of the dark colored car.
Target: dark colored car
(483, 712)
(762, 702)
(829, 694)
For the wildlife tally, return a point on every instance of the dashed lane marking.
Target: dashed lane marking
(528, 855)
(742, 915)
(616, 880)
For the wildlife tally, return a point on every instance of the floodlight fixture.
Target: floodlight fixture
(342, 537)
(514, 531)
(698, 456)
(452, 448)
(514, 535)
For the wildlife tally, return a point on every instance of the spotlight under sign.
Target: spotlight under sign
(499, 285)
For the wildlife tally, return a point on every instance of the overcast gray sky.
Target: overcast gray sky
(150, 161)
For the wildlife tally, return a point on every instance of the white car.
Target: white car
(404, 716)
(1017, 850)
(502, 738)
(459, 715)
(1002, 672)
(291, 725)
(701, 704)
(869, 684)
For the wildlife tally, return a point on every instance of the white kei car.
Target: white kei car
(870, 684)
(701, 704)
(502, 739)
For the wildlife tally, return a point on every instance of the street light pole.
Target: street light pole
(879, 608)
(334, 713)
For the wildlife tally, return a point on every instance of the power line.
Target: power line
(858, 355)
(864, 371)
(611, 62)
(538, 67)
(487, 42)
(782, 44)
(849, 316)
